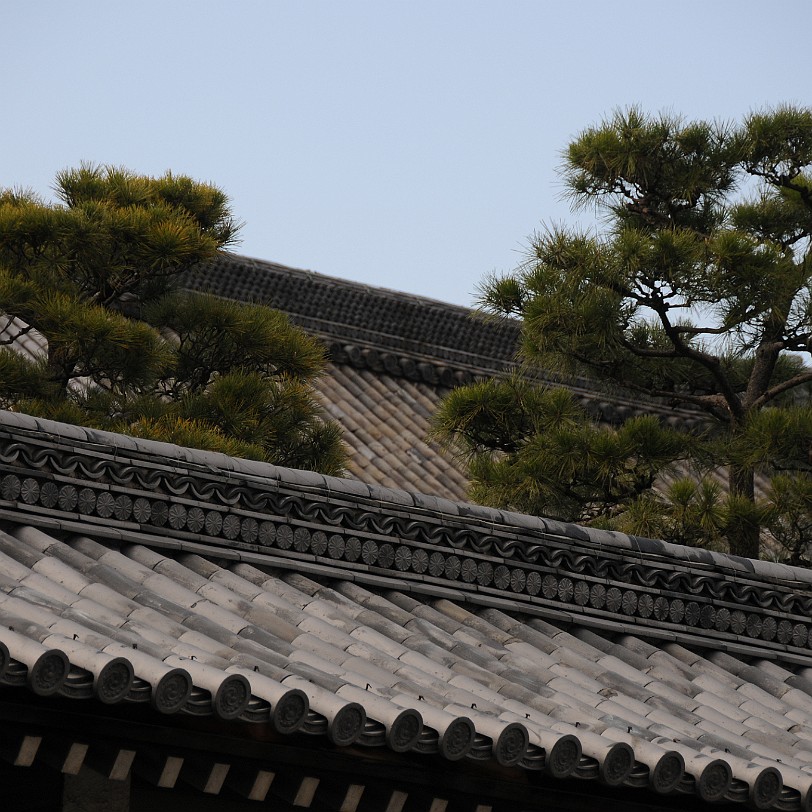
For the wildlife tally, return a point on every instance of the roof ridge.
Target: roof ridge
(111, 486)
(340, 308)
(407, 335)
(308, 273)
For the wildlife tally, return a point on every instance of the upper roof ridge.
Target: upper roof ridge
(380, 328)
(352, 312)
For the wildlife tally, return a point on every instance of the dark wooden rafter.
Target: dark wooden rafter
(292, 776)
(265, 683)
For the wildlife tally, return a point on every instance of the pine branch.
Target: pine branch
(779, 389)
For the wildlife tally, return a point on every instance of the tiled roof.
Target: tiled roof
(386, 422)
(380, 621)
(393, 357)
(405, 336)
(385, 321)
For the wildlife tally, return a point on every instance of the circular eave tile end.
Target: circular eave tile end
(114, 681)
(458, 739)
(49, 672)
(405, 731)
(766, 789)
(617, 764)
(714, 782)
(172, 691)
(290, 712)
(667, 773)
(511, 746)
(347, 725)
(563, 757)
(232, 697)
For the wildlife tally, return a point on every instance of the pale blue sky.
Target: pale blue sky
(411, 145)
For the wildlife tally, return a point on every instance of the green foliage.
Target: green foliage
(536, 450)
(181, 431)
(279, 416)
(215, 336)
(117, 234)
(22, 378)
(778, 438)
(122, 349)
(501, 414)
(697, 292)
(687, 511)
(788, 515)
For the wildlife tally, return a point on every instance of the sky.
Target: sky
(407, 144)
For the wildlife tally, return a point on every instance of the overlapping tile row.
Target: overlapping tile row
(386, 423)
(392, 333)
(136, 486)
(384, 669)
(85, 620)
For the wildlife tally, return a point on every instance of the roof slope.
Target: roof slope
(393, 357)
(386, 422)
(428, 629)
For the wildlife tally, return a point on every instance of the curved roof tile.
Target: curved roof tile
(361, 653)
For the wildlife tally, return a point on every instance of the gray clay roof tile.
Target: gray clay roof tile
(375, 649)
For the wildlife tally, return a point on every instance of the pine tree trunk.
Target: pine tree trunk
(57, 376)
(743, 536)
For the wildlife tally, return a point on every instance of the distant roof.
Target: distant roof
(384, 320)
(393, 357)
(399, 623)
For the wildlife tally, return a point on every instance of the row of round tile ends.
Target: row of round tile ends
(560, 751)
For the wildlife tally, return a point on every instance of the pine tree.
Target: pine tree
(696, 290)
(94, 277)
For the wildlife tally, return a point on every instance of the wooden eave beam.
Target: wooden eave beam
(360, 776)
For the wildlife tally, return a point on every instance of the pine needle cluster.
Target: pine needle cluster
(93, 277)
(696, 290)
